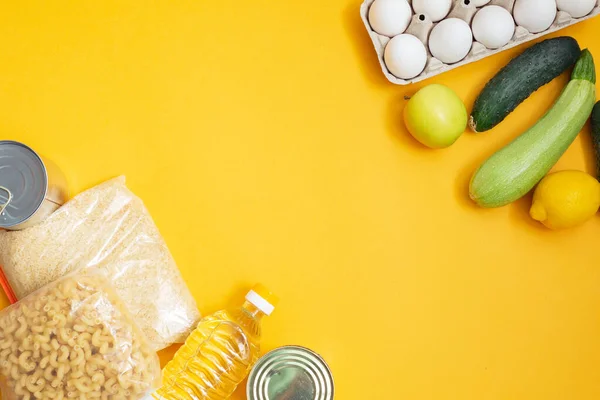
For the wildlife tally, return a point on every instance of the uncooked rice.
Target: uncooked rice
(109, 228)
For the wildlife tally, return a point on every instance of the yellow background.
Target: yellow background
(269, 147)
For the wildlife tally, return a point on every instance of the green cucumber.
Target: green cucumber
(596, 136)
(525, 74)
(514, 170)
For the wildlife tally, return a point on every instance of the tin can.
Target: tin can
(31, 187)
(290, 373)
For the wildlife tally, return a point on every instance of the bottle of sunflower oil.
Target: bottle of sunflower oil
(219, 353)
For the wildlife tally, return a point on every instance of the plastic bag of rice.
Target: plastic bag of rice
(106, 227)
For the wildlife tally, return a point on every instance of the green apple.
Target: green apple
(436, 116)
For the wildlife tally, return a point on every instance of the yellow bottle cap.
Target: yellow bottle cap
(262, 298)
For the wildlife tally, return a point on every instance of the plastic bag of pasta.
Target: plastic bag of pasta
(74, 339)
(106, 227)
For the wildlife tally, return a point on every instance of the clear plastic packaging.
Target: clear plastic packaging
(74, 339)
(108, 228)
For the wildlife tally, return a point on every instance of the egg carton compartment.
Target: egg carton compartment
(421, 25)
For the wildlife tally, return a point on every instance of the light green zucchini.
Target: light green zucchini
(513, 171)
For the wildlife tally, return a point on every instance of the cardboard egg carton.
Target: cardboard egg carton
(421, 26)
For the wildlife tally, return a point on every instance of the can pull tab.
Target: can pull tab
(8, 197)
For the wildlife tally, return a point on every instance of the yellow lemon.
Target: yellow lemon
(565, 199)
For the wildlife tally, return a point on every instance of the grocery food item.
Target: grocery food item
(107, 228)
(219, 354)
(31, 187)
(290, 372)
(596, 135)
(565, 199)
(525, 74)
(390, 17)
(405, 56)
(422, 25)
(576, 8)
(514, 170)
(436, 10)
(74, 339)
(451, 40)
(436, 116)
(535, 15)
(493, 26)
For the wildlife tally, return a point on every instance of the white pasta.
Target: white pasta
(88, 349)
(107, 228)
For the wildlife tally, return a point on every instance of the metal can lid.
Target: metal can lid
(290, 373)
(23, 183)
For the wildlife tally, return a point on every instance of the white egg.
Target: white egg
(493, 26)
(479, 3)
(390, 17)
(436, 10)
(450, 40)
(577, 8)
(405, 56)
(535, 15)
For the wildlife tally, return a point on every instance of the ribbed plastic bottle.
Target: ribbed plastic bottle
(219, 353)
